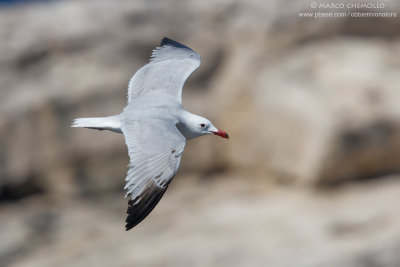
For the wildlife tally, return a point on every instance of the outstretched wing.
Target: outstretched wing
(170, 65)
(155, 148)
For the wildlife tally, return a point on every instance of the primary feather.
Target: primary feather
(170, 65)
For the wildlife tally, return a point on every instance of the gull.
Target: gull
(155, 126)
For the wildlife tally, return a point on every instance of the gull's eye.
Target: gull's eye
(202, 125)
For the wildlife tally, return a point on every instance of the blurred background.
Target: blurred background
(310, 176)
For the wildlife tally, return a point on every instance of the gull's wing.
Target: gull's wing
(155, 148)
(170, 65)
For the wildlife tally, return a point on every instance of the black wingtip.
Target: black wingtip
(138, 210)
(170, 42)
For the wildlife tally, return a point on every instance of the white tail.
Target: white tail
(107, 123)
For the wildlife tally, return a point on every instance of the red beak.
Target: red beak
(222, 134)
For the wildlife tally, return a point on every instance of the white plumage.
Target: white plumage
(155, 125)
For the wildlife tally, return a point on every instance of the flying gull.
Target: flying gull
(155, 126)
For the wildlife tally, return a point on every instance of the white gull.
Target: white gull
(155, 126)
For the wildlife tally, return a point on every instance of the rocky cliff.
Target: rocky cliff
(308, 178)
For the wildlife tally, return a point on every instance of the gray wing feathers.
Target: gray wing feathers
(170, 65)
(155, 148)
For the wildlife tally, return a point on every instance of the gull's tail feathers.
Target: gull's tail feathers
(112, 123)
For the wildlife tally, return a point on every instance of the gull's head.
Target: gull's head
(204, 126)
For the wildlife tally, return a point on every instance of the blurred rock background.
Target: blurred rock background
(310, 176)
